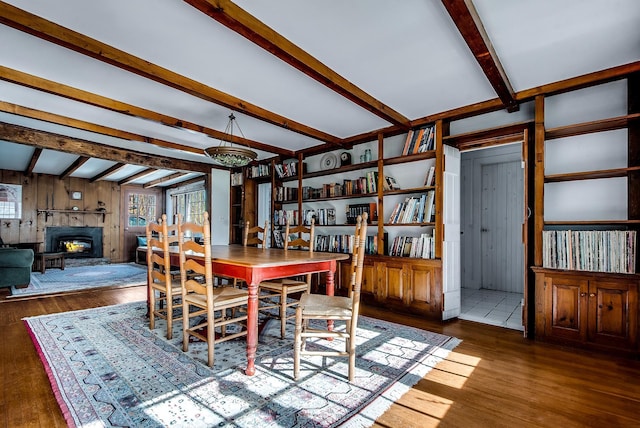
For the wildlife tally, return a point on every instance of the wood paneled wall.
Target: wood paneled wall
(41, 191)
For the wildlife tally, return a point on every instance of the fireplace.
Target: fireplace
(75, 242)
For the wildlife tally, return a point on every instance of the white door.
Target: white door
(501, 249)
(451, 239)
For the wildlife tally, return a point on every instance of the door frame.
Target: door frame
(509, 134)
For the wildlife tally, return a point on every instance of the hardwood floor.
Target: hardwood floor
(494, 378)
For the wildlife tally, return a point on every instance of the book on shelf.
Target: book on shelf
(430, 177)
(414, 209)
(278, 241)
(237, 179)
(611, 251)
(260, 170)
(422, 246)
(407, 142)
(427, 142)
(419, 141)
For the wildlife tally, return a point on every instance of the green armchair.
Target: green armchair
(15, 267)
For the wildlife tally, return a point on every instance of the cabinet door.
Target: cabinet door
(368, 278)
(613, 312)
(422, 293)
(566, 307)
(392, 278)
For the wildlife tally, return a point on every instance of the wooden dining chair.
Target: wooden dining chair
(203, 299)
(276, 293)
(164, 290)
(335, 308)
(252, 237)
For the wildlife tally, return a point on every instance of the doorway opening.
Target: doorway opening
(492, 248)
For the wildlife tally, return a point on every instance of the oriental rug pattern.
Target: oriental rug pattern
(75, 278)
(108, 369)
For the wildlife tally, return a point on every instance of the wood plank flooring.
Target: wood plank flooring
(494, 378)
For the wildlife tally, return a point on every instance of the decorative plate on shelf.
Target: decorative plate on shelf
(329, 161)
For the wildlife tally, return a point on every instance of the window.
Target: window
(190, 204)
(11, 201)
(142, 209)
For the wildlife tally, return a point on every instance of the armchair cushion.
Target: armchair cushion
(15, 266)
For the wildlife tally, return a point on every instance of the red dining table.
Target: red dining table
(254, 265)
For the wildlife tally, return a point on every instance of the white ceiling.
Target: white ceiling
(407, 54)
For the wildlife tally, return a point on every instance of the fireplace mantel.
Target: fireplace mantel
(50, 212)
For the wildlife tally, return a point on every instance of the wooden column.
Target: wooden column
(538, 164)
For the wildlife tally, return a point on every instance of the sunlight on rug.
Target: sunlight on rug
(81, 278)
(108, 369)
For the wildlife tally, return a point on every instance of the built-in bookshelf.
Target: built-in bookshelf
(587, 233)
(334, 188)
(398, 185)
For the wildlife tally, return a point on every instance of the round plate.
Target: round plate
(329, 161)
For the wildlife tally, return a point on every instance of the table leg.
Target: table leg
(330, 291)
(252, 328)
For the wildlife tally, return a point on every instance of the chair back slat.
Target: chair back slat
(252, 237)
(159, 236)
(188, 248)
(357, 259)
(293, 236)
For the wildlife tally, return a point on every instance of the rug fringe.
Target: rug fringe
(66, 412)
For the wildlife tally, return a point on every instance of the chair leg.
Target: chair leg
(185, 326)
(283, 311)
(152, 309)
(211, 335)
(351, 349)
(169, 316)
(297, 344)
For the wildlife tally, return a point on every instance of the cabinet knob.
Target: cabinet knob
(592, 294)
(583, 294)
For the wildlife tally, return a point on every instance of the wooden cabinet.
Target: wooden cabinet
(401, 284)
(586, 308)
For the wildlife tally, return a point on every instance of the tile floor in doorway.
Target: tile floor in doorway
(492, 307)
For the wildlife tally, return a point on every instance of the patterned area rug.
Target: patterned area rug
(108, 369)
(82, 277)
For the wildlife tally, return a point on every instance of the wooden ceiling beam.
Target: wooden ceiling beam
(164, 179)
(134, 177)
(237, 19)
(35, 82)
(465, 17)
(73, 167)
(579, 82)
(107, 172)
(39, 27)
(32, 163)
(62, 143)
(92, 127)
(189, 182)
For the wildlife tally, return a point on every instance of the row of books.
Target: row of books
(590, 250)
(280, 217)
(419, 140)
(287, 169)
(422, 247)
(260, 170)
(354, 210)
(236, 179)
(430, 177)
(414, 209)
(322, 216)
(285, 194)
(344, 244)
